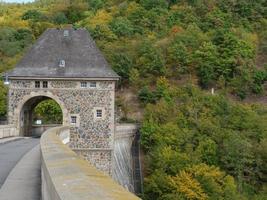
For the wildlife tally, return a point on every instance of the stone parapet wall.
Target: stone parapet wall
(7, 131)
(38, 130)
(126, 130)
(65, 176)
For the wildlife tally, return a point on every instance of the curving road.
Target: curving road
(20, 170)
(11, 153)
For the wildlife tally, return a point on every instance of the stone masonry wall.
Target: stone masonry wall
(91, 137)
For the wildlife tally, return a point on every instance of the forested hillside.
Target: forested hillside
(169, 54)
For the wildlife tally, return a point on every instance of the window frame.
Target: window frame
(74, 120)
(93, 84)
(45, 84)
(71, 119)
(37, 84)
(96, 115)
(83, 84)
(99, 113)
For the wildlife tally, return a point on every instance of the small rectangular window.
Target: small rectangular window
(37, 84)
(99, 113)
(92, 84)
(73, 119)
(45, 84)
(83, 84)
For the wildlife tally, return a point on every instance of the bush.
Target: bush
(3, 99)
(259, 78)
(149, 4)
(60, 18)
(95, 4)
(122, 27)
(122, 64)
(49, 111)
(150, 61)
(197, 144)
(34, 15)
(13, 41)
(146, 96)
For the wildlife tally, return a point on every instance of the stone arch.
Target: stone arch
(39, 94)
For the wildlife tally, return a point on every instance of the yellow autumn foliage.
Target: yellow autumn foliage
(185, 184)
(102, 17)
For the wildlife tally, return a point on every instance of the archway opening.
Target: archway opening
(38, 114)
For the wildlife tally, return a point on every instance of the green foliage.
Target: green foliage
(146, 96)
(3, 99)
(60, 18)
(96, 4)
(149, 96)
(48, 111)
(207, 61)
(13, 41)
(103, 32)
(188, 133)
(73, 15)
(34, 15)
(258, 80)
(122, 65)
(122, 27)
(149, 4)
(179, 57)
(150, 61)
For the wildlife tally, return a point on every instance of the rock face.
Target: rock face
(92, 135)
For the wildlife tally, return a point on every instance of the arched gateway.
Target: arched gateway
(66, 66)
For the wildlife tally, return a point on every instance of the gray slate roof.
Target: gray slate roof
(82, 57)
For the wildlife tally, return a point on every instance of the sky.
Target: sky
(17, 1)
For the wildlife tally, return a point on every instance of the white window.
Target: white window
(99, 113)
(83, 84)
(73, 119)
(92, 84)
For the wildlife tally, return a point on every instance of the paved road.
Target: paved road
(11, 153)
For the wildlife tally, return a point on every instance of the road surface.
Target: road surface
(11, 153)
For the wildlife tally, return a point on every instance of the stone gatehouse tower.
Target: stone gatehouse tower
(65, 65)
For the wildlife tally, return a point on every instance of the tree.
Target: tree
(95, 4)
(13, 41)
(179, 57)
(122, 27)
(3, 99)
(207, 59)
(34, 15)
(49, 111)
(146, 96)
(149, 4)
(60, 18)
(150, 60)
(190, 135)
(122, 64)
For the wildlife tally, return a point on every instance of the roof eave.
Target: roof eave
(64, 78)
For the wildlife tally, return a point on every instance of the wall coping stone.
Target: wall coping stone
(66, 176)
